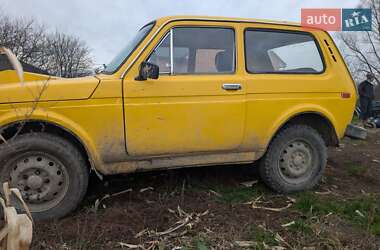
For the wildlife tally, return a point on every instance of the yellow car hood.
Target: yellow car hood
(44, 87)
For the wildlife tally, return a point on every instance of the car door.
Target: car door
(198, 102)
(285, 73)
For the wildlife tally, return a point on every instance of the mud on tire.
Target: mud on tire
(49, 171)
(295, 160)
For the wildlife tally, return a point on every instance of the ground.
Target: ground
(209, 208)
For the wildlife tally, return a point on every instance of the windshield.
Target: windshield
(127, 51)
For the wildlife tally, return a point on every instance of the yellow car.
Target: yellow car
(186, 91)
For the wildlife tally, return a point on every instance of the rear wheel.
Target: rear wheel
(295, 160)
(49, 171)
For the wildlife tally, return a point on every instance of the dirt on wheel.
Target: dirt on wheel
(227, 207)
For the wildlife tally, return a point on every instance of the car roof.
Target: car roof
(224, 19)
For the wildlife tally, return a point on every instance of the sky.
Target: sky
(107, 26)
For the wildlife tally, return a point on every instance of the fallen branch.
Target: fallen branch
(130, 246)
(246, 243)
(288, 224)
(99, 201)
(179, 228)
(215, 193)
(141, 233)
(170, 230)
(323, 193)
(257, 200)
(183, 222)
(3, 139)
(359, 213)
(272, 208)
(146, 189)
(249, 183)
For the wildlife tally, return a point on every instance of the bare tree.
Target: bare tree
(67, 55)
(362, 49)
(24, 38)
(59, 54)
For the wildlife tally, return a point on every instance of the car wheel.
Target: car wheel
(295, 160)
(49, 171)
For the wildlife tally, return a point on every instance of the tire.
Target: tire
(295, 160)
(49, 171)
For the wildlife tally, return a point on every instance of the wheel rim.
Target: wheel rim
(41, 178)
(296, 161)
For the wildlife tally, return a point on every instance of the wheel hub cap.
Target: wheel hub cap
(296, 160)
(34, 182)
(41, 178)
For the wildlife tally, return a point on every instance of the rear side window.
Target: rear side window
(275, 51)
(196, 50)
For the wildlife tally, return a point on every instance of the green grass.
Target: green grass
(262, 237)
(301, 226)
(355, 120)
(197, 243)
(239, 194)
(369, 206)
(357, 170)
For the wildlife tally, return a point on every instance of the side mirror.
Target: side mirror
(100, 69)
(148, 70)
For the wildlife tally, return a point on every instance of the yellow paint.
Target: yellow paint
(9, 76)
(180, 116)
(59, 89)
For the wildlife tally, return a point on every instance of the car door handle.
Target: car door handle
(231, 86)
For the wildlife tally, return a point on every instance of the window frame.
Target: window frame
(171, 48)
(153, 23)
(321, 55)
(158, 45)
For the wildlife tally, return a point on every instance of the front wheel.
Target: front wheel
(295, 160)
(49, 171)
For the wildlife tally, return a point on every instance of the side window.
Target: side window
(199, 50)
(270, 51)
(161, 55)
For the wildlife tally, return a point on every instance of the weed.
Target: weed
(357, 170)
(239, 194)
(375, 228)
(197, 243)
(301, 226)
(262, 237)
(355, 120)
(201, 245)
(362, 211)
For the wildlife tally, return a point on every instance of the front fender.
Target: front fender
(15, 115)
